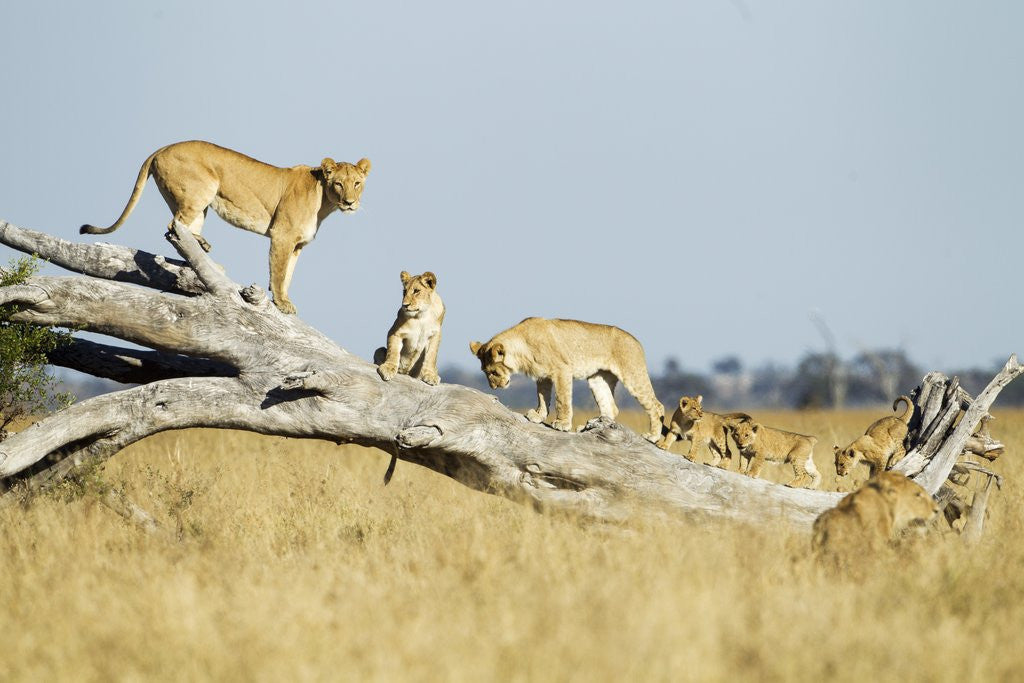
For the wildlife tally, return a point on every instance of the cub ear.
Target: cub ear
(475, 347)
(835, 449)
(699, 399)
(328, 166)
(754, 427)
(429, 279)
(405, 277)
(682, 402)
(498, 350)
(364, 165)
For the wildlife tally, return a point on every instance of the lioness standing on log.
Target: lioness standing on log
(554, 352)
(285, 204)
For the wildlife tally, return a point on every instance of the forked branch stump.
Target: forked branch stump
(223, 356)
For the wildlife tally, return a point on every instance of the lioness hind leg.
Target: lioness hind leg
(602, 385)
(638, 383)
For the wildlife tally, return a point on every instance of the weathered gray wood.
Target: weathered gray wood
(276, 375)
(931, 472)
(107, 261)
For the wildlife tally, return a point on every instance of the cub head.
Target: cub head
(691, 408)
(492, 362)
(344, 182)
(745, 434)
(910, 504)
(846, 459)
(419, 292)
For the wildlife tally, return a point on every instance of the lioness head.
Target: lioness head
(846, 458)
(745, 434)
(418, 292)
(492, 362)
(910, 504)
(344, 182)
(691, 408)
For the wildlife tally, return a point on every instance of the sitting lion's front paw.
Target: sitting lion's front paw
(387, 372)
(562, 425)
(430, 378)
(535, 416)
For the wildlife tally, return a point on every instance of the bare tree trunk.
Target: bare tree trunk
(224, 356)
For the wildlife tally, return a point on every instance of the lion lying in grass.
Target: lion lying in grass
(869, 519)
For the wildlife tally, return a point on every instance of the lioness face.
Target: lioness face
(492, 362)
(344, 182)
(846, 458)
(911, 505)
(418, 292)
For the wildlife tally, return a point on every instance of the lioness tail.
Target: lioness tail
(140, 183)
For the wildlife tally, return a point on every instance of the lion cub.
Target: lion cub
(553, 352)
(881, 447)
(758, 443)
(690, 421)
(870, 517)
(415, 336)
(285, 204)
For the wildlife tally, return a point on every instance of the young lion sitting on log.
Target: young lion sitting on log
(690, 421)
(871, 517)
(415, 336)
(554, 352)
(881, 447)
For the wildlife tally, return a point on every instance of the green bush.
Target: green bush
(26, 389)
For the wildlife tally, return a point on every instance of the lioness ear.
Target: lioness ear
(364, 165)
(430, 280)
(328, 166)
(475, 348)
(405, 277)
(499, 351)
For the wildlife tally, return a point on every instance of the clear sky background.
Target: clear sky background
(701, 174)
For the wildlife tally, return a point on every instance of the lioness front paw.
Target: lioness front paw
(387, 372)
(285, 306)
(652, 437)
(535, 416)
(562, 425)
(430, 378)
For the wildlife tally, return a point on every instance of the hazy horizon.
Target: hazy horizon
(703, 175)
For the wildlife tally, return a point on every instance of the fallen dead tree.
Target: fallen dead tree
(223, 356)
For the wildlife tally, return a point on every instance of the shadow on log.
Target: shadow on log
(223, 356)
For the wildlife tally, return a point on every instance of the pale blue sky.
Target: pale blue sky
(586, 160)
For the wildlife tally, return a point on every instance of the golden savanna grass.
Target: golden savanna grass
(290, 561)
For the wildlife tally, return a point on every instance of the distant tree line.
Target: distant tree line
(818, 380)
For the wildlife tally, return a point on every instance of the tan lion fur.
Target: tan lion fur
(286, 204)
(691, 422)
(758, 443)
(415, 336)
(867, 520)
(881, 447)
(554, 352)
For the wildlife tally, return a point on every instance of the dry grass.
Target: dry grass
(295, 563)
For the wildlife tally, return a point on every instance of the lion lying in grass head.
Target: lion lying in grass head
(285, 204)
(869, 519)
